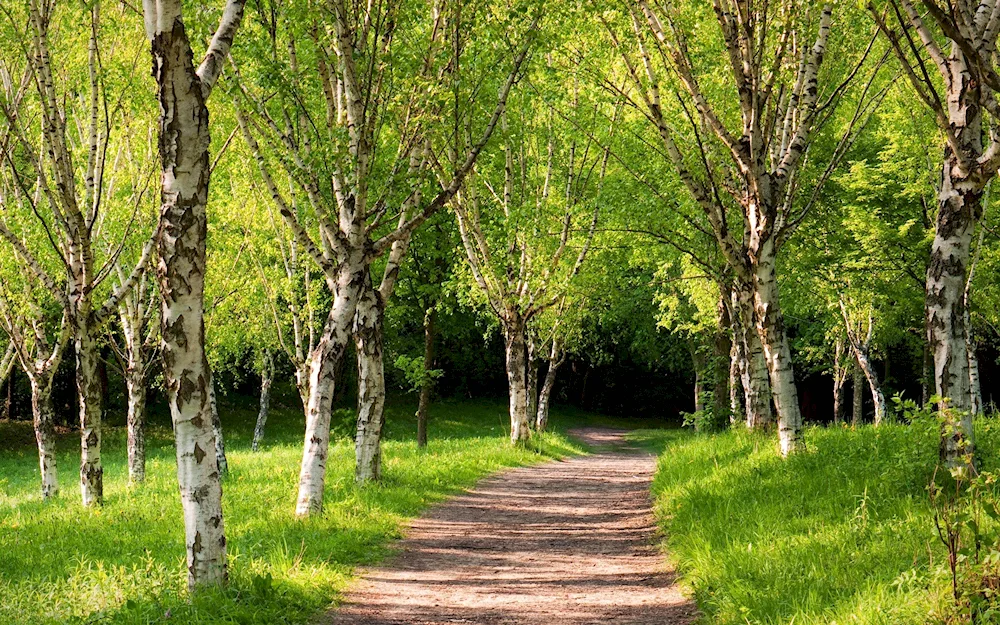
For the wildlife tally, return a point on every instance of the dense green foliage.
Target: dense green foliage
(62, 563)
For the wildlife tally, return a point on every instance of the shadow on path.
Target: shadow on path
(562, 543)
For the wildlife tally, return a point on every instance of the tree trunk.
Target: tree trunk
(839, 379)
(89, 394)
(135, 384)
(556, 358)
(220, 442)
(427, 384)
(371, 387)
(514, 331)
(184, 143)
(878, 398)
(753, 367)
(777, 352)
(698, 363)
(324, 361)
(531, 375)
(737, 356)
(959, 206)
(266, 379)
(43, 412)
(927, 379)
(720, 365)
(858, 416)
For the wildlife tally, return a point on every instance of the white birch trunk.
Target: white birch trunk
(135, 384)
(514, 331)
(753, 367)
(427, 384)
(858, 415)
(371, 387)
(43, 413)
(531, 375)
(220, 441)
(184, 143)
(556, 358)
(325, 358)
(777, 352)
(878, 398)
(89, 394)
(266, 379)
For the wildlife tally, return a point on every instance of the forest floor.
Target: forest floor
(560, 543)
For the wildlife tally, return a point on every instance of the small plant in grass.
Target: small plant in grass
(705, 420)
(966, 512)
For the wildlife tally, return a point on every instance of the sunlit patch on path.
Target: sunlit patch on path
(557, 544)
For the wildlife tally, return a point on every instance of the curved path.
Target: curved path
(561, 543)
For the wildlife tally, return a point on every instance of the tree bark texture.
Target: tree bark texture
(514, 339)
(43, 412)
(858, 414)
(325, 358)
(371, 386)
(181, 239)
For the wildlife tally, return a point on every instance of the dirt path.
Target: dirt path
(562, 543)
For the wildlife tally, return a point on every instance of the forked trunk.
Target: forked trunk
(556, 358)
(371, 387)
(427, 384)
(44, 413)
(266, 378)
(135, 384)
(89, 393)
(514, 330)
(324, 361)
(777, 351)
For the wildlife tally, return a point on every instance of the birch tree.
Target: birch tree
(527, 224)
(182, 91)
(364, 205)
(861, 346)
(136, 354)
(750, 160)
(948, 54)
(75, 123)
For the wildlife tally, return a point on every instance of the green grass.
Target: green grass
(841, 533)
(62, 563)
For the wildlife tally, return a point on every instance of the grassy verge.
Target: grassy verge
(842, 533)
(61, 563)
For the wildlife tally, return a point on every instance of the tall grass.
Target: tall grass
(841, 533)
(62, 563)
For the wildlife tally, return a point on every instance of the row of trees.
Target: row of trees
(492, 157)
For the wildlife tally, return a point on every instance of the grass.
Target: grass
(841, 533)
(62, 563)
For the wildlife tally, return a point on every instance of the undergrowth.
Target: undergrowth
(843, 532)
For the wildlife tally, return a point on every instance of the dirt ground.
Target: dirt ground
(562, 543)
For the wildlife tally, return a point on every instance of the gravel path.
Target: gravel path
(561, 543)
